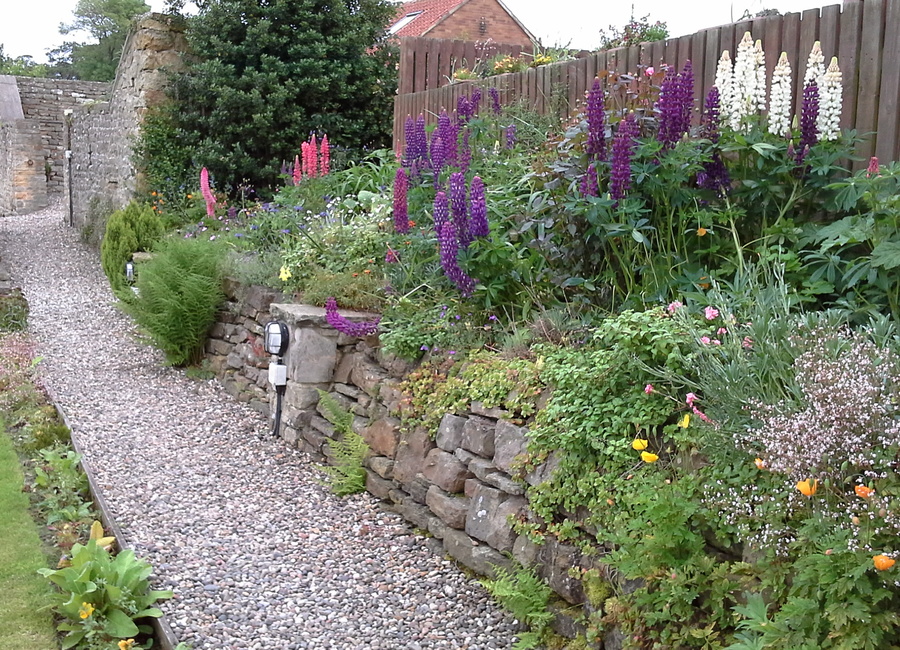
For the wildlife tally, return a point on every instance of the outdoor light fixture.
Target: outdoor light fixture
(129, 271)
(276, 339)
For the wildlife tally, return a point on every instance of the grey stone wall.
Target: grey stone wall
(102, 134)
(456, 484)
(23, 186)
(45, 101)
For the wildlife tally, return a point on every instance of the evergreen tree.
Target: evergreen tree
(267, 73)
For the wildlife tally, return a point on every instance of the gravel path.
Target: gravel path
(258, 553)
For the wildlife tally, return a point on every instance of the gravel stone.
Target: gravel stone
(258, 552)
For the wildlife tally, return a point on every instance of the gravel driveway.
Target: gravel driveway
(259, 554)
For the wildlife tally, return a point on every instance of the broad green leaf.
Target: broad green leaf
(120, 625)
(886, 255)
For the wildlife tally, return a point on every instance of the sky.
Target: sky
(31, 27)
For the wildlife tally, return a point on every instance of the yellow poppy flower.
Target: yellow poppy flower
(284, 274)
(883, 562)
(639, 444)
(685, 421)
(86, 610)
(647, 457)
(808, 487)
(126, 644)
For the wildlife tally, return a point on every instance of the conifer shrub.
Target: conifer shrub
(178, 293)
(134, 228)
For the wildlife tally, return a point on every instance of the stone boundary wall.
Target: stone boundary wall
(44, 101)
(103, 173)
(456, 484)
(23, 186)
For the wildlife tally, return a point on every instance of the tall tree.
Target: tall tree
(108, 22)
(267, 73)
(22, 66)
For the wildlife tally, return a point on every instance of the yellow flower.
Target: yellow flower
(760, 463)
(284, 274)
(639, 444)
(883, 562)
(808, 487)
(685, 421)
(126, 644)
(86, 610)
(647, 457)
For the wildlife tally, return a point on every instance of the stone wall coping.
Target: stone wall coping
(309, 315)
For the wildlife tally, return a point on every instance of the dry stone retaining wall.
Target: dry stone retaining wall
(456, 483)
(23, 186)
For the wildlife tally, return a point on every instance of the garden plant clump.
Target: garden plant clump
(701, 300)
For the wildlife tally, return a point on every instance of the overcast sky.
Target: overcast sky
(32, 26)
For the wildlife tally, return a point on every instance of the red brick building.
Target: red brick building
(466, 20)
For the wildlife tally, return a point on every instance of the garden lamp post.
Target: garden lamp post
(277, 337)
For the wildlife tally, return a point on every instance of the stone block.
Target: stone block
(378, 486)
(504, 483)
(300, 396)
(526, 552)
(449, 508)
(411, 452)
(314, 439)
(565, 620)
(415, 513)
(482, 559)
(482, 468)
(556, 560)
(344, 367)
(218, 346)
(478, 408)
(349, 391)
(398, 496)
(323, 426)
(444, 470)
(489, 517)
(465, 457)
(311, 357)
(509, 443)
(383, 436)
(471, 485)
(382, 466)
(437, 527)
(478, 436)
(450, 432)
(418, 488)
(366, 376)
(544, 471)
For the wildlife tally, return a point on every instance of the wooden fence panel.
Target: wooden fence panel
(711, 58)
(790, 43)
(828, 31)
(698, 63)
(869, 73)
(848, 55)
(890, 85)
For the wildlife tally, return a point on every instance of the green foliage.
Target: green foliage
(134, 228)
(165, 160)
(103, 596)
(178, 294)
(21, 66)
(526, 597)
(13, 312)
(346, 475)
(63, 484)
(634, 32)
(266, 75)
(108, 22)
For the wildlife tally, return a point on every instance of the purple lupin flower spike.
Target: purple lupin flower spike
(438, 154)
(622, 150)
(464, 154)
(511, 136)
(441, 211)
(715, 175)
(669, 110)
(449, 248)
(589, 185)
(458, 208)
(596, 122)
(809, 115)
(463, 106)
(686, 97)
(478, 222)
(495, 100)
(451, 142)
(408, 137)
(401, 215)
(420, 139)
(346, 326)
(475, 101)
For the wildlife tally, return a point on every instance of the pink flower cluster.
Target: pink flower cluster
(208, 196)
(314, 159)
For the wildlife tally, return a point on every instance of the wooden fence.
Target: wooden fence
(865, 36)
(427, 63)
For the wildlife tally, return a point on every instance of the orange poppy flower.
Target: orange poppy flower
(883, 562)
(760, 463)
(863, 492)
(808, 487)
(701, 232)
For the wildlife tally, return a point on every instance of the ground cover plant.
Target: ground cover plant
(102, 599)
(700, 298)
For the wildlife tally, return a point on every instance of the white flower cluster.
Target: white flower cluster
(815, 65)
(780, 97)
(830, 102)
(742, 90)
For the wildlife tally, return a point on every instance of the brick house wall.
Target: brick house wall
(465, 23)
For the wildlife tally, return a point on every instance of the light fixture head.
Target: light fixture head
(276, 338)
(129, 271)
